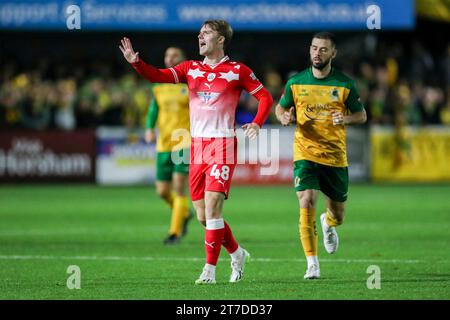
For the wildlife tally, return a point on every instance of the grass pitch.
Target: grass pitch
(114, 235)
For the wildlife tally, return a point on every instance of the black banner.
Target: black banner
(47, 156)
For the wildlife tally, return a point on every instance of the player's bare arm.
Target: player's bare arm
(286, 117)
(354, 118)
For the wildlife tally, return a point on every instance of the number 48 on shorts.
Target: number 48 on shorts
(220, 173)
(212, 166)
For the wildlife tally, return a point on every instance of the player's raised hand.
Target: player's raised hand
(251, 130)
(338, 117)
(287, 117)
(127, 50)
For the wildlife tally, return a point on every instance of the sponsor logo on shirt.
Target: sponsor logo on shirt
(208, 97)
(303, 93)
(317, 111)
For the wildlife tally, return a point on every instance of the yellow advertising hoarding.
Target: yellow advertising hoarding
(412, 154)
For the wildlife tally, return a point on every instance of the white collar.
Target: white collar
(226, 58)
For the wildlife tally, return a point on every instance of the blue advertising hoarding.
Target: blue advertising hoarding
(179, 15)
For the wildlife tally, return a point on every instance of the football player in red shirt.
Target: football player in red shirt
(215, 85)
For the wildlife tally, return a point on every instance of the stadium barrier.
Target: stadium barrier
(410, 154)
(270, 171)
(124, 158)
(47, 156)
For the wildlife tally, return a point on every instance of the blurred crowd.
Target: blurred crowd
(406, 87)
(29, 100)
(395, 86)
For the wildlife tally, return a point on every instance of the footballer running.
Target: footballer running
(321, 100)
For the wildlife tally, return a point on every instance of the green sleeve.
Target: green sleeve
(152, 115)
(287, 100)
(353, 102)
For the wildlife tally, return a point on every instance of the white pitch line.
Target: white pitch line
(123, 258)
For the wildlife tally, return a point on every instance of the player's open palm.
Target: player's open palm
(128, 51)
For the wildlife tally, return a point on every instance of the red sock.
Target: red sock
(213, 241)
(229, 242)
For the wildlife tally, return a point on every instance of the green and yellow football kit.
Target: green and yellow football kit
(320, 157)
(169, 111)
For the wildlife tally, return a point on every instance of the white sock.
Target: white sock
(236, 254)
(312, 260)
(215, 224)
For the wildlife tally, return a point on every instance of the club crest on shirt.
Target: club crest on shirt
(211, 77)
(208, 97)
(335, 94)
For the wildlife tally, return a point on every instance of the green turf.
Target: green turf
(115, 236)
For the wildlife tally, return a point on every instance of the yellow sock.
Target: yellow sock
(308, 234)
(179, 213)
(332, 222)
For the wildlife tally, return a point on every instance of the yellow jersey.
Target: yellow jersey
(169, 111)
(316, 138)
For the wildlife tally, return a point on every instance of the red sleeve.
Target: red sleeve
(265, 104)
(250, 83)
(171, 75)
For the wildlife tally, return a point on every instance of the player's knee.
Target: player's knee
(306, 202)
(179, 185)
(213, 212)
(213, 205)
(306, 199)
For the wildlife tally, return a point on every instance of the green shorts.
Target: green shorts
(165, 166)
(332, 181)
